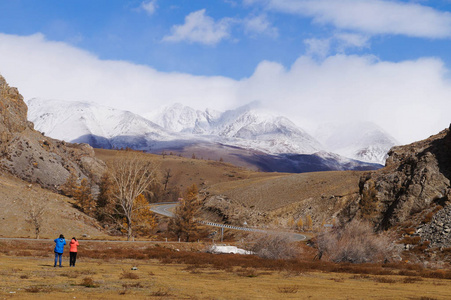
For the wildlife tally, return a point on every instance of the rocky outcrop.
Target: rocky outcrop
(34, 157)
(415, 176)
(438, 231)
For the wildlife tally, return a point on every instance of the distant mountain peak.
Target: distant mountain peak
(364, 141)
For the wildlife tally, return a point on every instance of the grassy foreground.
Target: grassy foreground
(104, 271)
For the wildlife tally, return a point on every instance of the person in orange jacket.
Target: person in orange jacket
(73, 251)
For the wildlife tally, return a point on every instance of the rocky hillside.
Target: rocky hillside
(415, 180)
(34, 157)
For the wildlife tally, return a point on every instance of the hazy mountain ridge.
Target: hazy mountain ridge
(363, 141)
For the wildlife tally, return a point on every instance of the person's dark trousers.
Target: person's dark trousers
(60, 256)
(72, 258)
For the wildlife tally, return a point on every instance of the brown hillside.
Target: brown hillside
(234, 194)
(278, 198)
(43, 162)
(188, 171)
(59, 216)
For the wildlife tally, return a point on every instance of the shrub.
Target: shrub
(288, 289)
(384, 280)
(411, 240)
(129, 275)
(273, 246)
(356, 242)
(38, 289)
(88, 282)
(161, 292)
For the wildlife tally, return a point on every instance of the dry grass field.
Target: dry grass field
(186, 171)
(104, 271)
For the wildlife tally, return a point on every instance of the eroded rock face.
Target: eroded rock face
(34, 157)
(415, 176)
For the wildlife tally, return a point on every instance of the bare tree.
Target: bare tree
(166, 176)
(131, 176)
(35, 214)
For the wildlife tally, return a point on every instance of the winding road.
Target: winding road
(166, 208)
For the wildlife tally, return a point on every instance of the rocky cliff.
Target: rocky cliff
(416, 178)
(34, 157)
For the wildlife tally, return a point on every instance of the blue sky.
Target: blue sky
(315, 61)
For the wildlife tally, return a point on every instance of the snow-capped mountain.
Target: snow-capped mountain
(364, 141)
(248, 127)
(97, 125)
(247, 136)
(180, 118)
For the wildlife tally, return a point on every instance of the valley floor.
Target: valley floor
(29, 277)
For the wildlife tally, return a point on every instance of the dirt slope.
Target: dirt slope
(16, 198)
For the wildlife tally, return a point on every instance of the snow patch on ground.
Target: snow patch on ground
(216, 249)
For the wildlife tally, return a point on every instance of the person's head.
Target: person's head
(61, 236)
(74, 238)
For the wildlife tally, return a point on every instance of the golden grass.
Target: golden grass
(186, 171)
(35, 278)
(130, 270)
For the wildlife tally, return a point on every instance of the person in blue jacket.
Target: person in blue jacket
(59, 248)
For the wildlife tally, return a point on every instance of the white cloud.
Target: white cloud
(54, 70)
(340, 42)
(370, 16)
(351, 40)
(318, 47)
(149, 6)
(408, 99)
(200, 28)
(260, 25)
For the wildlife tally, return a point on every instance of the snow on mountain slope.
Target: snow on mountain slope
(180, 118)
(364, 141)
(247, 126)
(73, 121)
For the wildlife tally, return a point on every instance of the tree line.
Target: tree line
(124, 195)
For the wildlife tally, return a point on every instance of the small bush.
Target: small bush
(251, 272)
(384, 280)
(88, 282)
(161, 292)
(38, 289)
(132, 285)
(273, 246)
(356, 242)
(33, 289)
(288, 289)
(129, 275)
(412, 279)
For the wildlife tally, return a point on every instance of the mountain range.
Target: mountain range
(247, 136)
